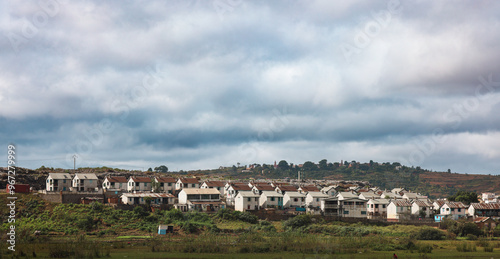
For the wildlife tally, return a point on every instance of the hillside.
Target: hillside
(384, 175)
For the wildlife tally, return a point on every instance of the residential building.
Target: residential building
(115, 183)
(330, 190)
(164, 184)
(271, 199)
(346, 195)
(398, 210)
(85, 182)
(369, 195)
(422, 207)
(353, 207)
(484, 209)
(57, 182)
(313, 200)
(139, 184)
(218, 185)
(294, 200)
(330, 207)
(246, 200)
(308, 188)
(414, 196)
(377, 208)
(286, 188)
(454, 210)
(183, 183)
(233, 190)
(259, 188)
(142, 198)
(206, 200)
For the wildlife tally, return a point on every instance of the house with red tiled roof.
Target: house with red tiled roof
(398, 210)
(115, 183)
(165, 184)
(258, 189)
(218, 185)
(233, 191)
(139, 184)
(454, 210)
(187, 183)
(286, 188)
(423, 207)
(308, 188)
(484, 209)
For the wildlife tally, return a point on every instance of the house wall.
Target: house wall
(241, 203)
(290, 201)
(60, 185)
(357, 210)
(266, 202)
(314, 201)
(131, 186)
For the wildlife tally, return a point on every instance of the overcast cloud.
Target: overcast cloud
(202, 84)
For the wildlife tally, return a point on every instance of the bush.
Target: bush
(298, 221)
(466, 247)
(248, 217)
(488, 249)
(174, 214)
(471, 237)
(86, 223)
(426, 249)
(139, 211)
(429, 234)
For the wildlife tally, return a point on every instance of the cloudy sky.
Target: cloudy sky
(199, 84)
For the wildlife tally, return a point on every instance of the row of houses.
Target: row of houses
(334, 200)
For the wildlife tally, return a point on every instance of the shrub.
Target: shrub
(174, 214)
(139, 211)
(426, 249)
(298, 221)
(86, 223)
(429, 234)
(248, 217)
(488, 249)
(466, 247)
(471, 237)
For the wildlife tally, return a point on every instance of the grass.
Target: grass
(133, 237)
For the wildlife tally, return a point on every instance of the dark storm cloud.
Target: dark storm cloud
(194, 85)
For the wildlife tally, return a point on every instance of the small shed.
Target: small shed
(164, 229)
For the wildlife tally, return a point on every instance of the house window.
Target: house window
(169, 184)
(145, 184)
(272, 198)
(256, 199)
(64, 181)
(346, 212)
(452, 209)
(459, 210)
(295, 199)
(363, 213)
(317, 199)
(64, 188)
(90, 181)
(193, 185)
(130, 199)
(249, 199)
(383, 206)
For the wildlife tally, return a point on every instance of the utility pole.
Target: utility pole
(74, 162)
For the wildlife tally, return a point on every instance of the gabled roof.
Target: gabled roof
(347, 195)
(310, 188)
(440, 203)
(456, 205)
(318, 194)
(379, 201)
(422, 203)
(165, 179)
(271, 194)
(241, 187)
(486, 206)
(287, 188)
(295, 194)
(60, 176)
(117, 179)
(401, 203)
(189, 180)
(149, 194)
(201, 191)
(215, 183)
(248, 194)
(86, 176)
(328, 188)
(263, 187)
(482, 219)
(140, 179)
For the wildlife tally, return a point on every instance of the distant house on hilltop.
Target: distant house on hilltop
(139, 184)
(85, 182)
(165, 184)
(115, 182)
(184, 183)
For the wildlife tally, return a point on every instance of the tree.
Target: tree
(283, 165)
(161, 169)
(323, 164)
(150, 169)
(464, 196)
(309, 166)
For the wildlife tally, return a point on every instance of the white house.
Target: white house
(286, 188)
(454, 210)
(85, 182)
(390, 195)
(353, 207)
(313, 199)
(369, 195)
(413, 196)
(398, 210)
(141, 198)
(488, 197)
(165, 184)
(58, 182)
(206, 200)
(139, 184)
(294, 200)
(115, 183)
(377, 208)
(233, 190)
(246, 200)
(271, 199)
(484, 209)
(423, 206)
(218, 185)
(183, 183)
(438, 204)
(308, 188)
(259, 188)
(346, 195)
(330, 190)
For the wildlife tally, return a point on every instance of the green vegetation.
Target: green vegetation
(465, 197)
